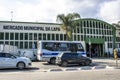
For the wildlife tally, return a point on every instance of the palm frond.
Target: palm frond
(68, 22)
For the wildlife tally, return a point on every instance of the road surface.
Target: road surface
(99, 74)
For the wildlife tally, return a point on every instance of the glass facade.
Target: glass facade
(25, 40)
(93, 29)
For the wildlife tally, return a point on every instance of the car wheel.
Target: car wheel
(52, 60)
(87, 63)
(21, 65)
(64, 63)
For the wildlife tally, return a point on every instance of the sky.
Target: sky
(47, 10)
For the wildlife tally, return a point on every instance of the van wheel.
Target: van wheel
(21, 65)
(52, 60)
(64, 64)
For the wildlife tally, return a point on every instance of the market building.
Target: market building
(97, 37)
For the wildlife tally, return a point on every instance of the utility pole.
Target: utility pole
(11, 15)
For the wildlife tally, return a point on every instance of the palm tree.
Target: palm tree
(68, 23)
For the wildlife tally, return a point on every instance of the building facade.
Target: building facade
(97, 37)
(118, 38)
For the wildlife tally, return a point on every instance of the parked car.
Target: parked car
(10, 61)
(65, 58)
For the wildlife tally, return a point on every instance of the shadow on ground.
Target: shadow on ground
(16, 70)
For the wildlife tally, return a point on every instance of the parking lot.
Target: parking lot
(44, 66)
(103, 62)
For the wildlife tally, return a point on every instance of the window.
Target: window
(6, 42)
(21, 45)
(94, 24)
(8, 55)
(44, 36)
(30, 45)
(35, 36)
(78, 37)
(2, 54)
(61, 36)
(84, 30)
(80, 47)
(90, 31)
(81, 37)
(87, 24)
(26, 36)
(57, 36)
(11, 43)
(63, 47)
(84, 24)
(21, 36)
(55, 46)
(74, 30)
(65, 37)
(48, 46)
(75, 37)
(16, 44)
(48, 36)
(81, 29)
(99, 24)
(97, 31)
(7, 36)
(26, 45)
(16, 36)
(30, 36)
(90, 24)
(1, 42)
(93, 31)
(87, 30)
(11, 36)
(1, 36)
(39, 36)
(53, 37)
(78, 31)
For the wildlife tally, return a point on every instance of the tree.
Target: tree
(68, 23)
(116, 24)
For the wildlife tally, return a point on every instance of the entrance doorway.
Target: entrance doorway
(94, 50)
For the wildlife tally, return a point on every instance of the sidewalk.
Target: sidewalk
(106, 62)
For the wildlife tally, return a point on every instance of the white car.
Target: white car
(10, 61)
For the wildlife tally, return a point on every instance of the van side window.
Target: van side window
(48, 46)
(80, 47)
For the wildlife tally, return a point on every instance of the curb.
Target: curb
(81, 68)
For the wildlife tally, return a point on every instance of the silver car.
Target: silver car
(10, 61)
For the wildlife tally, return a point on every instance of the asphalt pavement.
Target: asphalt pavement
(97, 63)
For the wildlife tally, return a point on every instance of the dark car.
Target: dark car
(65, 58)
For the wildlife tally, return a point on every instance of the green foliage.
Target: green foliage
(116, 24)
(68, 23)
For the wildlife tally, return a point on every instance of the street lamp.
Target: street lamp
(11, 15)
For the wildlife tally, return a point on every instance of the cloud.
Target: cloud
(109, 11)
(47, 10)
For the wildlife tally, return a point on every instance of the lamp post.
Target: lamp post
(90, 47)
(11, 15)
